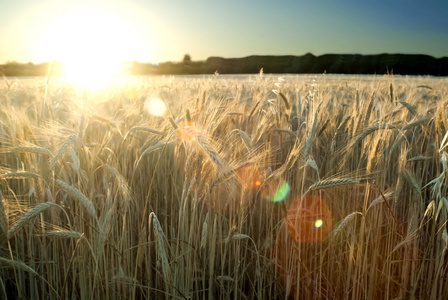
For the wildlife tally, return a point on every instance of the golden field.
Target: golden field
(225, 187)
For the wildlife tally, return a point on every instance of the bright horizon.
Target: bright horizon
(153, 31)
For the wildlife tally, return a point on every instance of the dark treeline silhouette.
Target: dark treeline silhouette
(403, 64)
(28, 69)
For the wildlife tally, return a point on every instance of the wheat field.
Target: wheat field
(221, 187)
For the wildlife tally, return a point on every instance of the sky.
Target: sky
(157, 31)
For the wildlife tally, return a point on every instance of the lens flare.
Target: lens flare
(281, 193)
(269, 187)
(156, 107)
(309, 219)
(250, 177)
(186, 131)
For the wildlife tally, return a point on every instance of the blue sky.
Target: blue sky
(166, 30)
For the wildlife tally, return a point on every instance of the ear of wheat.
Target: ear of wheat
(205, 145)
(76, 193)
(160, 241)
(61, 151)
(64, 234)
(29, 215)
(327, 183)
(371, 130)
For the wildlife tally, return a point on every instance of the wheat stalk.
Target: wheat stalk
(327, 183)
(369, 109)
(103, 233)
(204, 232)
(284, 99)
(32, 149)
(416, 123)
(310, 138)
(166, 270)
(75, 193)
(145, 129)
(289, 132)
(29, 215)
(379, 200)
(294, 119)
(410, 108)
(337, 133)
(425, 87)
(234, 113)
(205, 145)
(408, 175)
(81, 127)
(76, 164)
(3, 221)
(19, 175)
(252, 111)
(397, 143)
(8, 84)
(61, 151)
(322, 129)
(199, 252)
(391, 92)
(65, 234)
(188, 116)
(245, 139)
(224, 175)
(151, 149)
(420, 158)
(18, 265)
(358, 100)
(344, 223)
(173, 123)
(371, 130)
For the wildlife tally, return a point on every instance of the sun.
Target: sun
(93, 44)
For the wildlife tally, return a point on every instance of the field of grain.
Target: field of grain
(246, 187)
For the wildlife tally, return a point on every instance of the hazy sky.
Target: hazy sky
(155, 31)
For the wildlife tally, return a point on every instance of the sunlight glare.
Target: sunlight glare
(92, 44)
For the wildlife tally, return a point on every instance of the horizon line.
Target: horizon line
(233, 57)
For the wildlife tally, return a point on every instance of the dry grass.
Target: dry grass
(100, 198)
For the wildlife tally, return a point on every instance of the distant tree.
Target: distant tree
(187, 59)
